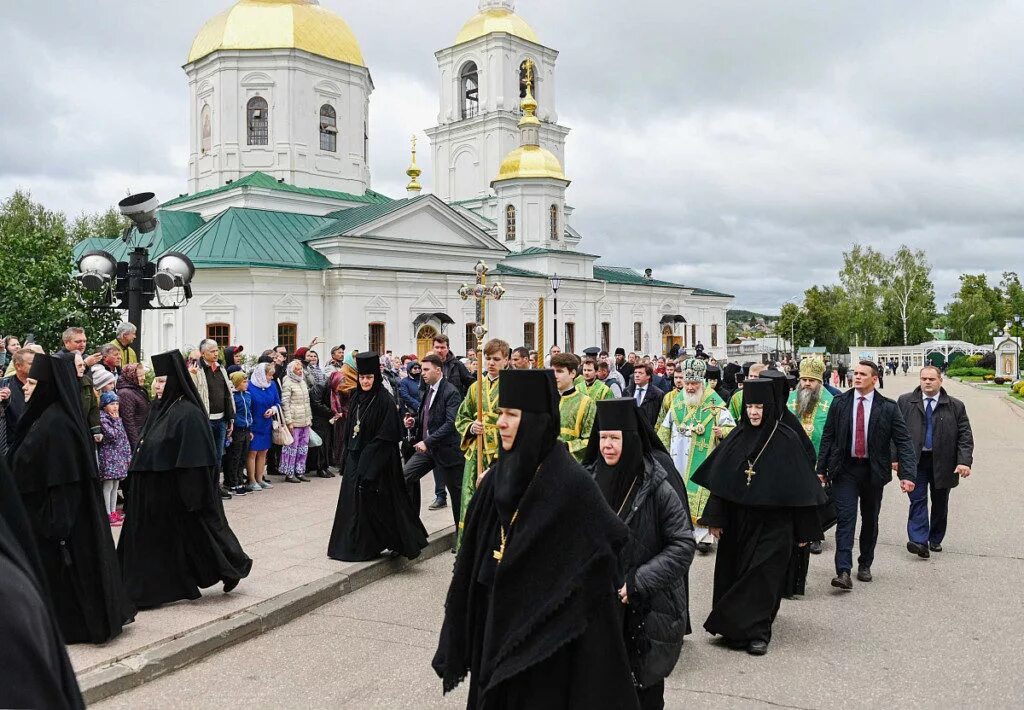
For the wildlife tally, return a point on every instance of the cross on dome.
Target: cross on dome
(508, 5)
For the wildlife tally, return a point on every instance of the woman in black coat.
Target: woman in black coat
(320, 404)
(623, 458)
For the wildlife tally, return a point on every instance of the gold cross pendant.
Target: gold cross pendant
(750, 474)
(355, 430)
(498, 554)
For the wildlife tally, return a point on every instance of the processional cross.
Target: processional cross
(480, 292)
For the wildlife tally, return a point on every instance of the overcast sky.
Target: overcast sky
(738, 146)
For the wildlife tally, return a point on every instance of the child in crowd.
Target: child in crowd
(115, 454)
(238, 451)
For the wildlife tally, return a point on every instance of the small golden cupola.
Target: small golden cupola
(413, 188)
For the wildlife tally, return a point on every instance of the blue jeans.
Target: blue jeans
(851, 487)
(919, 528)
(219, 429)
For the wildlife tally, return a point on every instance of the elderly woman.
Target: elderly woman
(266, 397)
(319, 458)
(342, 385)
(134, 401)
(298, 417)
(629, 463)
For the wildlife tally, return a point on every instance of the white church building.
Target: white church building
(290, 242)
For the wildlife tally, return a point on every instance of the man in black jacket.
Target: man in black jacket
(437, 440)
(862, 432)
(645, 394)
(454, 371)
(944, 448)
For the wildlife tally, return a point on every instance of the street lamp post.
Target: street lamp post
(555, 283)
(136, 281)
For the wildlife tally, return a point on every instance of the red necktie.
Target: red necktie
(860, 449)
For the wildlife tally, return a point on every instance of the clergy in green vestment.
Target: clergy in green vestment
(589, 384)
(576, 409)
(495, 360)
(695, 423)
(810, 401)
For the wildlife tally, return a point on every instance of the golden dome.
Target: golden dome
(278, 24)
(530, 161)
(496, 20)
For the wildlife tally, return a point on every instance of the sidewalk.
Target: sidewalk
(285, 530)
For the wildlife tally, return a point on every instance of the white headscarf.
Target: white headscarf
(259, 376)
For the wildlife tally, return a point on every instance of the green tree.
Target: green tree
(36, 264)
(908, 298)
(862, 278)
(110, 224)
(976, 309)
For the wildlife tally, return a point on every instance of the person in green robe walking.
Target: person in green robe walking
(496, 354)
(697, 421)
(589, 384)
(577, 410)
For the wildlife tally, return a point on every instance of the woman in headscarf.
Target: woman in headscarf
(233, 359)
(764, 498)
(134, 401)
(657, 559)
(298, 417)
(177, 539)
(54, 465)
(342, 385)
(266, 397)
(532, 613)
(319, 457)
(374, 512)
(35, 671)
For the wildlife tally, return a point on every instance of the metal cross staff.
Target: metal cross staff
(481, 292)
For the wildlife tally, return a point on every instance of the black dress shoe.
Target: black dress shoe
(302, 477)
(230, 584)
(438, 503)
(816, 548)
(919, 550)
(757, 648)
(864, 574)
(735, 644)
(324, 474)
(935, 547)
(225, 494)
(703, 547)
(843, 581)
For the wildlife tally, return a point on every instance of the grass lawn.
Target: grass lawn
(971, 378)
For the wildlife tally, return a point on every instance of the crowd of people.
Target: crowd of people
(580, 490)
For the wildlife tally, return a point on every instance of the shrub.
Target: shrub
(990, 376)
(1018, 387)
(999, 380)
(969, 372)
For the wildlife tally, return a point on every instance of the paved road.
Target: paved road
(946, 632)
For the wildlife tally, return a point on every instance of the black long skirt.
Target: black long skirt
(82, 572)
(176, 539)
(374, 511)
(750, 567)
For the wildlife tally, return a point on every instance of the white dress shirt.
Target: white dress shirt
(867, 420)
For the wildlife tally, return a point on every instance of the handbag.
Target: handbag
(827, 512)
(280, 434)
(314, 439)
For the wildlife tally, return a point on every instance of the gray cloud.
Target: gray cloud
(732, 145)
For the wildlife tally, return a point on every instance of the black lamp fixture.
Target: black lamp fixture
(137, 281)
(555, 283)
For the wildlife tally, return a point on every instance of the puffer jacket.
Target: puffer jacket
(295, 402)
(409, 388)
(656, 562)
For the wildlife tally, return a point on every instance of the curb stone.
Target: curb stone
(175, 653)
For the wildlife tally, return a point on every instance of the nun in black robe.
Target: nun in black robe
(764, 498)
(54, 467)
(533, 613)
(375, 512)
(177, 539)
(35, 671)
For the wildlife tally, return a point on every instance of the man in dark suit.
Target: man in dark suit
(437, 440)
(863, 433)
(645, 394)
(944, 448)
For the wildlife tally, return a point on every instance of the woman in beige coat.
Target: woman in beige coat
(298, 417)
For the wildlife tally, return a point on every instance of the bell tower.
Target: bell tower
(483, 82)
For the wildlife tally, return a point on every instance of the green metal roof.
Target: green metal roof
(707, 292)
(536, 251)
(344, 221)
(171, 228)
(625, 275)
(268, 182)
(503, 269)
(240, 237)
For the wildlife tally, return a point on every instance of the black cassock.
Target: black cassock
(751, 564)
(55, 470)
(765, 497)
(374, 511)
(176, 539)
(35, 671)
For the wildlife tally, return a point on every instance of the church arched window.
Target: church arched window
(554, 222)
(510, 223)
(522, 78)
(258, 121)
(205, 130)
(328, 128)
(469, 83)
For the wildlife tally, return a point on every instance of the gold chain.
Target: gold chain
(750, 472)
